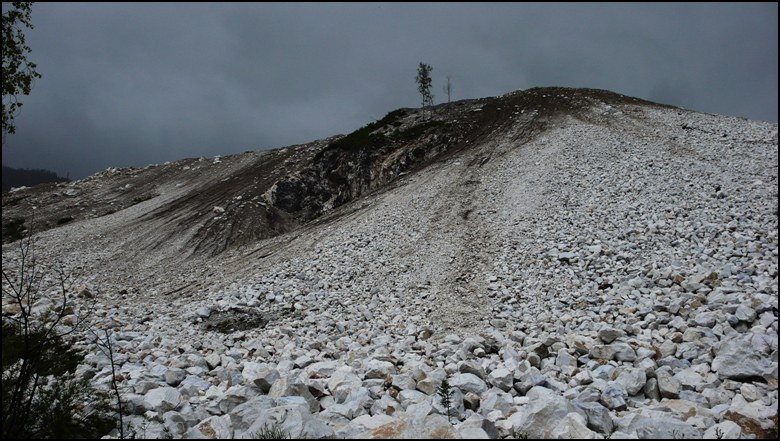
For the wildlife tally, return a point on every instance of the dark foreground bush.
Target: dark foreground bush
(41, 396)
(14, 230)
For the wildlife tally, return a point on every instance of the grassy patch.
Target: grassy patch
(225, 326)
(363, 136)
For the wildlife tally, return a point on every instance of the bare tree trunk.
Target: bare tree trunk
(448, 87)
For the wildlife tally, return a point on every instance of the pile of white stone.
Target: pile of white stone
(609, 282)
(373, 382)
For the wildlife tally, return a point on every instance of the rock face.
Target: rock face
(575, 263)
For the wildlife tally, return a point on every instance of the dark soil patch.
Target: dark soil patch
(243, 319)
(234, 321)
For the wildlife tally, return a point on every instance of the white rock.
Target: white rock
(573, 426)
(468, 383)
(163, 399)
(501, 378)
(216, 427)
(724, 430)
(293, 387)
(260, 375)
(632, 380)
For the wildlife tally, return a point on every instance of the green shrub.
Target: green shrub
(363, 136)
(273, 431)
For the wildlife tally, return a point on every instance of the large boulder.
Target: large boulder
(724, 430)
(408, 397)
(293, 387)
(542, 414)
(404, 426)
(573, 426)
(243, 415)
(175, 376)
(612, 397)
(597, 415)
(496, 401)
(472, 367)
(668, 386)
(163, 399)
(295, 421)
(260, 375)
(321, 369)
(364, 423)
(194, 386)
(609, 334)
(457, 404)
(651, 424)
(501, 378)
(216, 427)
(379, 369)
(475, 423)
(468, 383)
(430, 384)
(342, 383)
(632, 380)
(623, 351)
(737, 360)
(235, 396)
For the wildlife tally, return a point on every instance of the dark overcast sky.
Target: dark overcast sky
(134, 84)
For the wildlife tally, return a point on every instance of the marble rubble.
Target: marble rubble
(614, 283)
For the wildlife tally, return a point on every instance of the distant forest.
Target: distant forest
(18, 177)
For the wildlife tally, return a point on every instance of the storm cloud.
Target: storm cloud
(134, 84)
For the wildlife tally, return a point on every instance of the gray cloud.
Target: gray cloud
(133, 84)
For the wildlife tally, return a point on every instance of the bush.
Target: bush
(272, 432)
(14, 230)
(41, 396)
(363, 136)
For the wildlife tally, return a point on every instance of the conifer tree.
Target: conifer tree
(445, 392)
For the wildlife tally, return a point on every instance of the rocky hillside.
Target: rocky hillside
(271, 192)
(576, 263)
